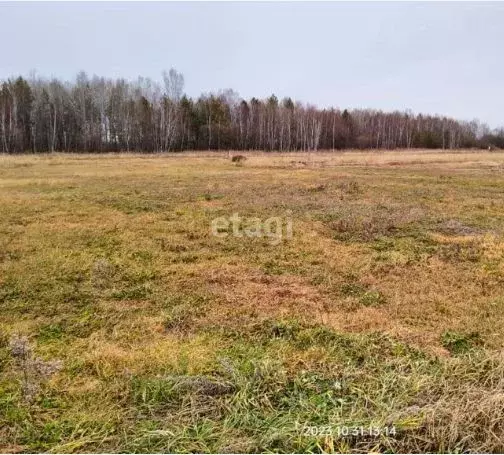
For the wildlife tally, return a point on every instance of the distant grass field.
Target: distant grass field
(146, 333)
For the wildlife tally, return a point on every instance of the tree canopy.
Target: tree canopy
(98, 115)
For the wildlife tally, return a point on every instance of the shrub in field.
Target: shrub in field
(34, 371)
(238, 159)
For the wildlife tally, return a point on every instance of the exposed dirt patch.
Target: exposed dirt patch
(246, 295)
(456, 227)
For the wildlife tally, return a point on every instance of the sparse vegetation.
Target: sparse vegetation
(127, 327)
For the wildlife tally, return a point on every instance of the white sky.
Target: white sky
(443, 58)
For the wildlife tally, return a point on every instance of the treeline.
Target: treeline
(98, 115)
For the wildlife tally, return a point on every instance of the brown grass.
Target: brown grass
(391, 288)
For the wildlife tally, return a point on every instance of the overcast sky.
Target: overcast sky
(444, 58)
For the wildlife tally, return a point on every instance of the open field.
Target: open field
(146, 333)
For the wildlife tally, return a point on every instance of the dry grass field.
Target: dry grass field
(126, 326)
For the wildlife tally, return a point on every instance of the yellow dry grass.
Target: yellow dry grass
(107, 262)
